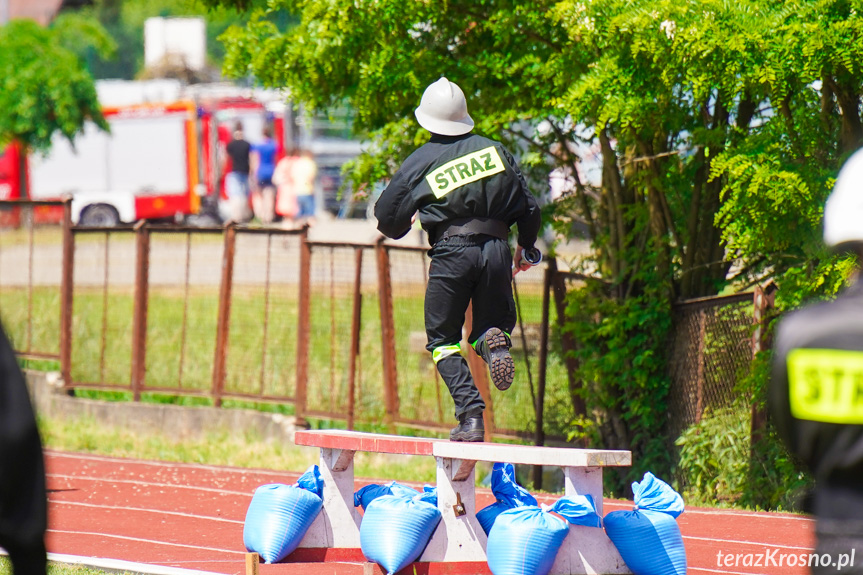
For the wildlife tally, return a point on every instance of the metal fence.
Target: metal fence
(336, 329)
(33, 278)
(713, 341)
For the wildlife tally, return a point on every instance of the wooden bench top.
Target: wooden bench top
(532, 454)
(492, 452)
(360, 441)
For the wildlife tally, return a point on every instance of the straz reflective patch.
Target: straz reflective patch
(464, 170)
(826, 385)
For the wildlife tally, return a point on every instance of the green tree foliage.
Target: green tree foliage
(718, 125)
(83, 36)
(43, 87)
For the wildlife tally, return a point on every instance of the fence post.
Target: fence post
(567, 341)
(699, 368)
(139, 321)
(66, 283)
(539, 436)
(303, 330)
(762, 301)
(356, 323)
(224, 321)
(388, 339)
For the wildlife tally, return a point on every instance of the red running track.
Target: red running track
(191, 517)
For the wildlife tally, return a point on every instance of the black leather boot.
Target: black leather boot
(470, 428)
(494, 346)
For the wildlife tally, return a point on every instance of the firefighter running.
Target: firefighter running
(468, 191)
(816, 392)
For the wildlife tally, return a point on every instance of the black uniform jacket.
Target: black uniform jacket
(816, 398)
(457, 177)
(23, 502)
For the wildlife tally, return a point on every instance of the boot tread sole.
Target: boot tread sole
(502, 366)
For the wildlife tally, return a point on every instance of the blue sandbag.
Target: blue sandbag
(279, 515)
(648, 537)
(525, 540)
(429, 495)
(507, 492)
(395, 530)
(656, 495)
(312, 481)
(488, 515)
(367, 494)
(577, 509)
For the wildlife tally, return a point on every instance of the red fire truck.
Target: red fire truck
(158, 161)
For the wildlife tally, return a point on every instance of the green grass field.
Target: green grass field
(59, 569)
(181, 335)
(236, 449)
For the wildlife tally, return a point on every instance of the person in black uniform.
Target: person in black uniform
(23, 501)
(816, 390)
(468, 191)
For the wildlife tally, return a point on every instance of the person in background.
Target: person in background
(468, 191)
(304, 172)
(263, 166)
(286, 198)
(237, 179)
(23, 499)
(816, 390)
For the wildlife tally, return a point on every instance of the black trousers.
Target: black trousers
(23, 502)
(464, 270)
(839, 542)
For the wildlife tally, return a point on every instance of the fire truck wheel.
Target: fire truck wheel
(100, 216)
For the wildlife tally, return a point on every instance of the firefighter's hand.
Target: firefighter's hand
(519, 264)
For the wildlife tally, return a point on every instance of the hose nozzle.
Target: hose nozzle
(532, 255)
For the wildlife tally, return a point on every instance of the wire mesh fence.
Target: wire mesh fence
(103, 293)
(344, 334)
(31, 265)
(182, 309)
(336, 329)
(261, 315)
(711, 350)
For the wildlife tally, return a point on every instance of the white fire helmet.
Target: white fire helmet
(443, 110)
(843, 212)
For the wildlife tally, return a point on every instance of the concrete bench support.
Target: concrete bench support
(459, 537)
(338, 525)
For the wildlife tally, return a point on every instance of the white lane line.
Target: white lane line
(149, 484)
(142, 509)
(735, 542)
(151, 541)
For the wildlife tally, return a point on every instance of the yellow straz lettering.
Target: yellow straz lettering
(464, 170)
(826, 385)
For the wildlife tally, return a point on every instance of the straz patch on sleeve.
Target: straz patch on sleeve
(464, 170)
(826, 385)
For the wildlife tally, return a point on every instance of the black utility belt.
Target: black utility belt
(474, 226)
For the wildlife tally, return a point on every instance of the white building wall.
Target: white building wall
(176, 40)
